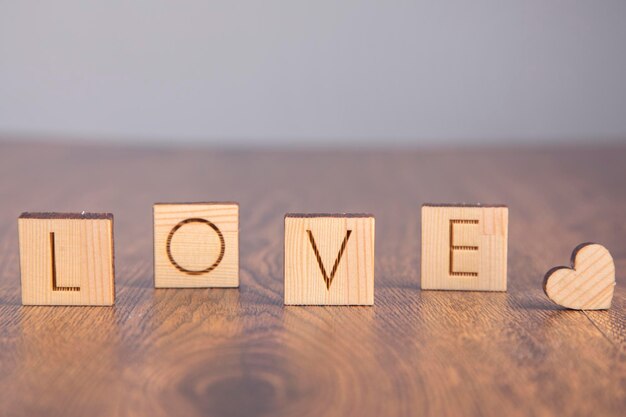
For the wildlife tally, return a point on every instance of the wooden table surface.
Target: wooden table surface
(240, 352)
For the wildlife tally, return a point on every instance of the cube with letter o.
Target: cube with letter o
(196, 245)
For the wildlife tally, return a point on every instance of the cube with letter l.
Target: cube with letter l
(67, 258)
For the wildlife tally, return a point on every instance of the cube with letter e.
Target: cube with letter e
(464, 247)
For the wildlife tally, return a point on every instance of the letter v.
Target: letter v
(329, 279)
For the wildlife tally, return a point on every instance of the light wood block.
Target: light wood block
(588, 284)
(329, 259)
(67, 259)
(196, 245)
(464, 247)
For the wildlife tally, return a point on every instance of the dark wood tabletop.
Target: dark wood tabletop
(240, 352)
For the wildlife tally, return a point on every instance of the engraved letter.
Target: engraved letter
(55, 287)
(190, 271)
(328, 279)
(454, 247)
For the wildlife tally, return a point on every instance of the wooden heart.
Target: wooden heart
(588, 284)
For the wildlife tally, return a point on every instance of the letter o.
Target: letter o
(190, 271)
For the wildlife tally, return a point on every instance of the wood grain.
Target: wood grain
(589, 283)
(67, 259)
(329, 259)
(240, 352)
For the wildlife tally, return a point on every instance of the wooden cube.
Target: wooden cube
(329, 259)
(196, 245)
(67, 259)
(464, 247)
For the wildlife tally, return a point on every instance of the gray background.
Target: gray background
(317, 72)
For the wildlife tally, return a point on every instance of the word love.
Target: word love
(68, 259)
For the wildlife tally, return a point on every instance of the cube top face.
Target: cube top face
(329, 259)
(196, 245)
(67, 258)
(464, 247)
(66, 216)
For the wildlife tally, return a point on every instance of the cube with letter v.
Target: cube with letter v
(329, 259)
